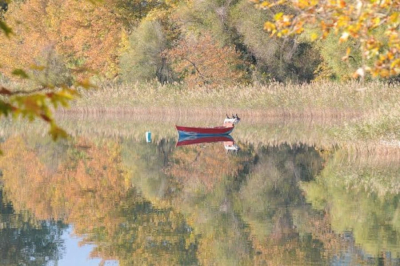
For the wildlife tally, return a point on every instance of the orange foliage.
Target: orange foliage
(23, 176)
(85, 35)
(203, 62)
(67, 193)
(94, 38)
(91, 191)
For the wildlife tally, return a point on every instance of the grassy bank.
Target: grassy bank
(315, 97)
(338, 112)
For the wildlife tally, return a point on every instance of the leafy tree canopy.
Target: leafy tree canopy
(353, 21)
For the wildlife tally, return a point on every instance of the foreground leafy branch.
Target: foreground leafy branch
(373, 24)
(37, 103)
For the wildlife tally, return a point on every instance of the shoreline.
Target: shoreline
(256, 114)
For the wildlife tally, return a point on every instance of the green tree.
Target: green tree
(143, 59)
(283, 60)
(132, 12)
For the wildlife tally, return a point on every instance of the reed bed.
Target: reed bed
(324, 112)
(292, 99)
(369, 111)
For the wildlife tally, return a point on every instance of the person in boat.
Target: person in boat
(230, 122)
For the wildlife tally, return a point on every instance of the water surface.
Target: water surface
(290, 195)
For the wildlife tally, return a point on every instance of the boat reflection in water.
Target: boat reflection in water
(228, 141)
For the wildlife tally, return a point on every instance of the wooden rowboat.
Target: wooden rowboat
(226, 129)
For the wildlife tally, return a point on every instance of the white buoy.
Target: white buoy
(148, 136)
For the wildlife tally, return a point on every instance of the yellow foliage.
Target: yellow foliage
(64, 27)
(354, 20)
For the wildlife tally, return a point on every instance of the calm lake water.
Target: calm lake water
(288, 195)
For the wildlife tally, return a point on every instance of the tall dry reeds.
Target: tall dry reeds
(370, 111)
(324, 112)
(293, 99)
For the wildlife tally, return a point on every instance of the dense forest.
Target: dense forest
(208, 42)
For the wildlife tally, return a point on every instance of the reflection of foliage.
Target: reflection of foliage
(203, 165)
(200, 190)
(26, 241)
(203, 193)
(152, 203)
(275, 208)
(273, 183)
(361, 196)
(145, 164)
(224, 237)
(143, 235)
(90, 189)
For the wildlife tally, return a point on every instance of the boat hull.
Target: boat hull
(203, 131)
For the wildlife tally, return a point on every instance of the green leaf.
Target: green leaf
(21, 73)
(4, 27)
(5, 108)
(57, 132)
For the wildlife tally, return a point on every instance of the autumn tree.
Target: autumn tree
(31, 33)
(373, 25)
(237, 24)
(83, 41)
(201, 61)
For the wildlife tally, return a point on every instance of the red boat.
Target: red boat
(204, 131)
(226, 129)
(189, 140)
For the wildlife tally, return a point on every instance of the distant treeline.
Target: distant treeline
(194, 42)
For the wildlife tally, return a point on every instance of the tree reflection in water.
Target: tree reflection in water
(27, 241)
(154, 203)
